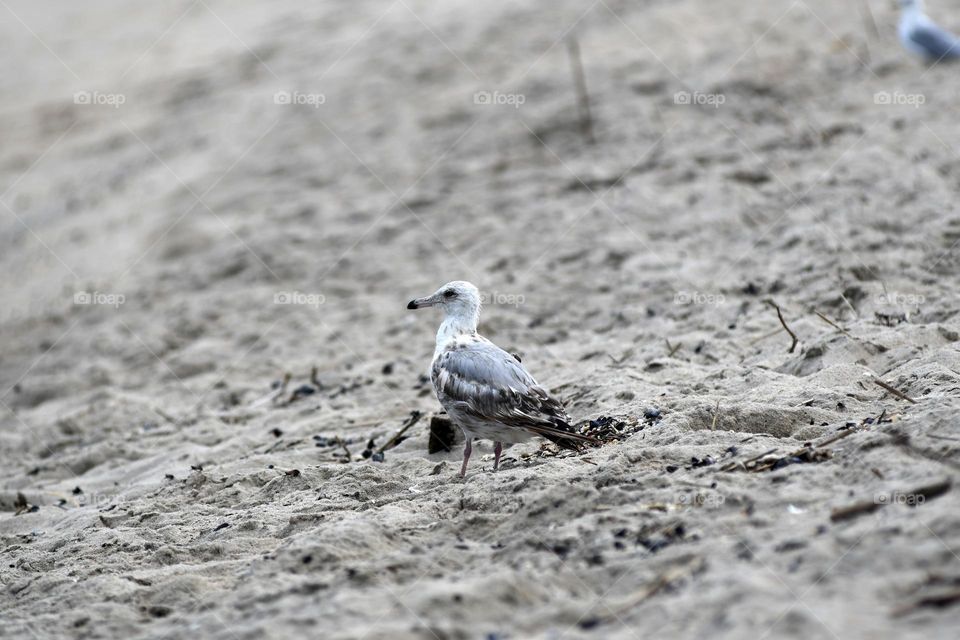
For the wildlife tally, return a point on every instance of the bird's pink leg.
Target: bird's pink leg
(497, 450)
(466, 456)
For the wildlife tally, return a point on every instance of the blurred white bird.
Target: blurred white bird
(484, 389)
(921, 36)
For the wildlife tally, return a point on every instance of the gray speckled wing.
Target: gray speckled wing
(485, 388)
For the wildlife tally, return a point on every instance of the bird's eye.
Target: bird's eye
(449, 293)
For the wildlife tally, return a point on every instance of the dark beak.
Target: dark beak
(420, 303)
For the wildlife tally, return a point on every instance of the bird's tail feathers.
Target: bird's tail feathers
(563, 434)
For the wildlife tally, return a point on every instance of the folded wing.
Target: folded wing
(486, 383)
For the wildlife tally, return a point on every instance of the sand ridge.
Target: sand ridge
(274, 188)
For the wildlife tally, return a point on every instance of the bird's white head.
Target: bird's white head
(460, 302)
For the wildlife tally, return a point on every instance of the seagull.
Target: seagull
(486, 391)
(920, 35)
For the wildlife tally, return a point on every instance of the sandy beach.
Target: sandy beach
(742, 269)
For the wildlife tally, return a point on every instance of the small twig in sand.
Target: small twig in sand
(854, 510)
(412, 420)
(867, 16)
(623, 357)
(852, 308)
(938, 601)
(163, 414)
(273, 395)
(279, 443)
(764, 336)
(314, 380)
(716, 413)
(793, 336)
(284, 383)
(580, 85)
(808, 453)
(839, 436)
(671, 349)
(869, 24)
(915, 497)
(939, 437)
(894, 391)
(343, 445)
(932, 490)
(666, 580)
(834, 325)
(762, 455)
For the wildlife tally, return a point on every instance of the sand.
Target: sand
(249, 190)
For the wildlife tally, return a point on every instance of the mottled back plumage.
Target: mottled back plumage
(490, 391)
(486, 391)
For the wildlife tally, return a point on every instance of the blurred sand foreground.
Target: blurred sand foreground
(200, 197)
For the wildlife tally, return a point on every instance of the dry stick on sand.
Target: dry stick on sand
(671, 349)
(580, 85)
(163, 414)
(669, 578)
(412, 420)
(762, 455)
(869, 506)
(939, 437)
(813, 452)
(793, 336)
(894, 391)
(343, 445)
(937, 600)
(853, 510)
(866, 343)
(765, 336)
(856, 314)
(273, 395)
(834, 325)
(839, 436)
(869, 26)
